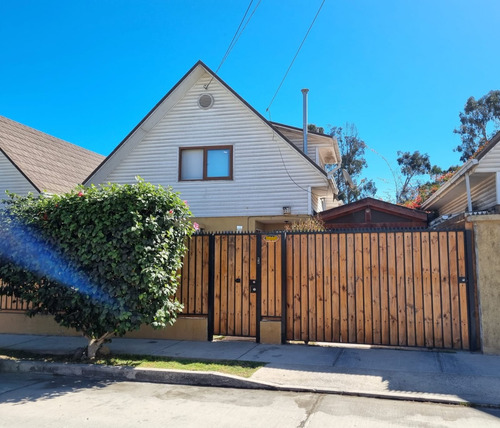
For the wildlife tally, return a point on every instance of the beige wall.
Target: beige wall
(183, 329)
(487, 243)
(248, 224)
(270, 332)
(19, 323)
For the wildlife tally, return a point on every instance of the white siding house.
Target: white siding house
(34, 162)
(262, 172)
(474, 187)
(12, 179)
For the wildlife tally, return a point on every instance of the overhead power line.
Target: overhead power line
(296, 54)
(236, 36)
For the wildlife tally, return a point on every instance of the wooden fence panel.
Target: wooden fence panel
(400, 288)
(390, 288)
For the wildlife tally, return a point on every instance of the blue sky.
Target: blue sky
(88, 71)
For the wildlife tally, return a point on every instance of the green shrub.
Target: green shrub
(102, 260)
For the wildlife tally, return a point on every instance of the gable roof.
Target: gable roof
(48, 163)
(169, 100)
(389, 215)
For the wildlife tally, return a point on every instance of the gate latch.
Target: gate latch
(462, 279)
(253, 286)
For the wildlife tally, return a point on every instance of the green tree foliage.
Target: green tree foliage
(102, 260)
(480, 120)
(412, 165)
(352, 148)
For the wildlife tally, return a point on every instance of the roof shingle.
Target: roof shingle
(51, 164)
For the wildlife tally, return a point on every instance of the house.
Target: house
(369, 213)
(32, 161)
(236, 170)
(474, 188)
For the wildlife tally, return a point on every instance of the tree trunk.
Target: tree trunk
(95, 344)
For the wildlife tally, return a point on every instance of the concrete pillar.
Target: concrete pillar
(487, 252)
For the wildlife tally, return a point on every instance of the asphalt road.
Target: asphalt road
(31, 400)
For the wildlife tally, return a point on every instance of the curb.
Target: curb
(212, 379)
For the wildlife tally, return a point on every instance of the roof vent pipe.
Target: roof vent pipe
(304, 119)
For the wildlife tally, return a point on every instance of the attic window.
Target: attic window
(205, 101)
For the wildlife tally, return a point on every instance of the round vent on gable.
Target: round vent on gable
(205, 101)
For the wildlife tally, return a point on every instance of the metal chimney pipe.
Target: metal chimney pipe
(304, 119)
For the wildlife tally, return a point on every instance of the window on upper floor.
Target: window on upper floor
(206, 163)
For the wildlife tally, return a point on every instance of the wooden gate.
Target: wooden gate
(387, 288)
(235, 282)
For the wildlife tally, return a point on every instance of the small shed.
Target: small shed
(373, 213)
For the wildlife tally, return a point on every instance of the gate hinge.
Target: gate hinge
(462, 280)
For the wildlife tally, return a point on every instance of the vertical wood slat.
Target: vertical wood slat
(245, 283)
(238, 286)
(445, 289)
(311, 284)
(304, 288)
(367, 289)
(329, 291)
(264, 280)
(336, 313)
(278, 279)
(297, 288)
(418, 288)
(319, 275)
(454, 290)
(290, 292)
(427, 289)
(409, 289)
(271, 278)
(253, 275)
(343, 284)
(375, 288)
(217, 284)
(359, 290)
(401, 289)
(393, 295)
(385, 315)
(436, 290)
(351, 290)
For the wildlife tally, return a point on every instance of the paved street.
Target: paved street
(28, 400)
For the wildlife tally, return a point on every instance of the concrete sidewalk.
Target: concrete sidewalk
(446, 377)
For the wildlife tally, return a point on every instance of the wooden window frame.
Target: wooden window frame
(205, 150)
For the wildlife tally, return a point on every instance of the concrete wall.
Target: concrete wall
(270, 332)
(193, 328)
(487, 252)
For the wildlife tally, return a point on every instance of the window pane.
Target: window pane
(192, 164)
(218, 162)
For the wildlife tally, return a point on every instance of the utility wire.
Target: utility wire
(286, 169)
(296, 54)
(236, 37)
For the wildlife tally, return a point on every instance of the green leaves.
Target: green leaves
(479, 121)
(114, 255)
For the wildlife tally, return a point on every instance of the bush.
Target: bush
(310, 224)
(102, 260)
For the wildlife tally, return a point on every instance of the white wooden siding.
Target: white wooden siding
(483, 196)
(491, 161)
(267, 173)
(314, 142)
(12, 180)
